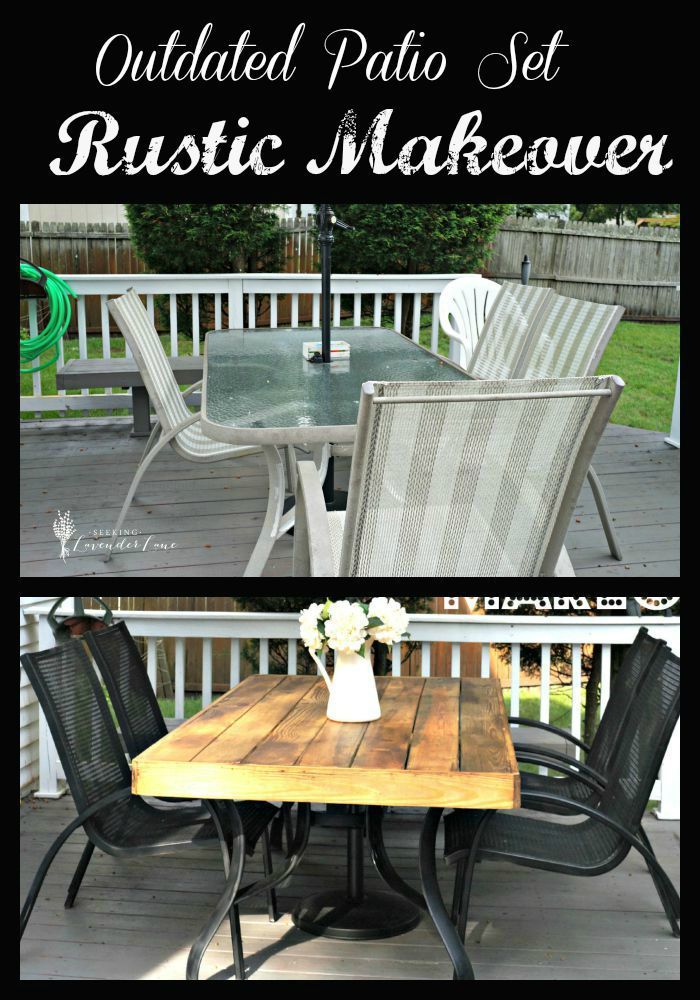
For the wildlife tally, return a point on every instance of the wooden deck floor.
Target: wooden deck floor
(213, 513)
(137, 919)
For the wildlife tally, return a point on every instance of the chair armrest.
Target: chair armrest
(534, 758)
(535, 723)
(313, 555)
(562, 758)
(192, 388)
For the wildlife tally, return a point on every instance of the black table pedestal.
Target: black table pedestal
(355, 914)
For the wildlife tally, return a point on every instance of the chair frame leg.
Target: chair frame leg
(670, 900)
(272, 911)
(604, 513)
(77, 879)
(233, 894)
(465, 870)
(47, 860)
(433, 897)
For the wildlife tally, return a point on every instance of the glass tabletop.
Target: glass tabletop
(258, 381)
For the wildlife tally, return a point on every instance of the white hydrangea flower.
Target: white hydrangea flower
(393, 617)
(346, 628)
(308, 627)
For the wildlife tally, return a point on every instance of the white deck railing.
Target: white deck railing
(229, 294)
(608, 631)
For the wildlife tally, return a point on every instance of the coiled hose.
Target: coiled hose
(59, 294)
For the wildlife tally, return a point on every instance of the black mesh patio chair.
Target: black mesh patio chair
(119, 823)
(600, 841)
(137, 710)
(592, 769)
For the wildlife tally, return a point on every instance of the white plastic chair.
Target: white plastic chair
(473, 478)
(175, 425)
(464, 306)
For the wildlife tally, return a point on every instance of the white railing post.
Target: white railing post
(670, 779)
(235, 303)
(674, 437)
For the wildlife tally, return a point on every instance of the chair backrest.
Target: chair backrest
(625, 689)
(78, 716)
(124, 674)
(506, 330)
(643, 741)
(464, 305)
(568, 338)
(140, 334)
(469, 478)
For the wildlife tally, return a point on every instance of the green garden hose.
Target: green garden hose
(59, 294)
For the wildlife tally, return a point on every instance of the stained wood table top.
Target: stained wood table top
(439, 742)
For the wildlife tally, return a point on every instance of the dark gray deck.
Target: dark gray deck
(137, 919)
(213, 513)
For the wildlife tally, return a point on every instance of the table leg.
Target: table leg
(355, 914)
(270, 530)
(141, 411)
(279, 517)
(433, 897)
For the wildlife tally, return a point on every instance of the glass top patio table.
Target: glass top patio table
(258, 389)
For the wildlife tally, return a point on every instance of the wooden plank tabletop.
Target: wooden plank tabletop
(440, 741)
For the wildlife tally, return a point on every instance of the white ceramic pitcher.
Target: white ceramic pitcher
(353, 692)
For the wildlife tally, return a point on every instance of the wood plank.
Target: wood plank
(236, 741)
(188, 739)
(94, 459)
(435, 741)
(336, 743)
(362, 786)
(129, 923)
(387, 741)
(288, 741)
(485, 743)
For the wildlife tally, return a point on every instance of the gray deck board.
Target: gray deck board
(213, 513)
(136, 919)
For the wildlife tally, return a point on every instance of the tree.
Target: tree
(416, 239)
(546, 211)
(205, 239)
(620, 213)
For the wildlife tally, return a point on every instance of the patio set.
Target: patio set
(469, 466)
(243, 773)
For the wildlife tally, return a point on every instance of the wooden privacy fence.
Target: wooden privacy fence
(621, 265)
(618, 265)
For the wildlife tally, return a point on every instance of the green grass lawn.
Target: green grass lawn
(645, 355)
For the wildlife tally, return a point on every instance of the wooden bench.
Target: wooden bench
(123, 373)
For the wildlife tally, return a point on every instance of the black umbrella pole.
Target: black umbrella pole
(326, 240)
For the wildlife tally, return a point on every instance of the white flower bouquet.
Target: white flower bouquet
(349, 627)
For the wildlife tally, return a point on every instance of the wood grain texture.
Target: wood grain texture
(439, 742)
